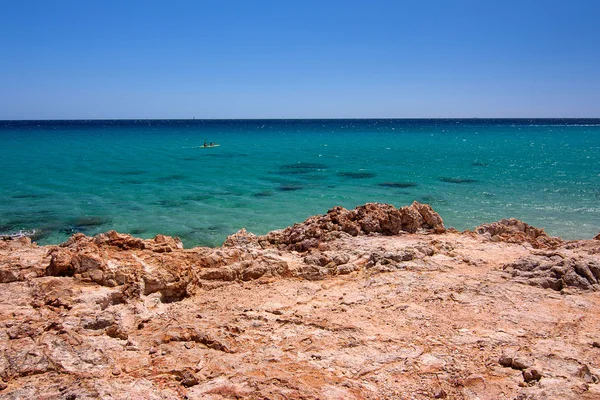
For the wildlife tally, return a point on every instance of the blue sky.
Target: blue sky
(299, 59)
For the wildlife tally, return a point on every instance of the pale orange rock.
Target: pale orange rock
(371, 303)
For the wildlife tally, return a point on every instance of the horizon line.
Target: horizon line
(292, 119)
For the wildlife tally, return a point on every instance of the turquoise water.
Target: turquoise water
(149, 177)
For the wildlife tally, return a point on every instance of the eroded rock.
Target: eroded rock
(556, 271)
(514, 231)
(310, 315)
(372, 218)
(242, 239)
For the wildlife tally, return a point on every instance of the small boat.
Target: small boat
(206, 146)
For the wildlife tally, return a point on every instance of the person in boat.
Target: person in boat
(205, 145)
(211, 144)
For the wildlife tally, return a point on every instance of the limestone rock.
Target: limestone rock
(372, 218)
(24, 357)
(371, 303)
(188, 378)
(515, 231)
(242, 239)
(556, 271)
(531, 375)
(121, 241)
(432, 219)
(22, 260)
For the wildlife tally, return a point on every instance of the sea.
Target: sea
(148, 177)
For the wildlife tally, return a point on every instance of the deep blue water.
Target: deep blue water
(152, 176)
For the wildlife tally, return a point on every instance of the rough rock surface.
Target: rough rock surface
(372, 218)
(515, 231)
(556, 270)
(372, 303)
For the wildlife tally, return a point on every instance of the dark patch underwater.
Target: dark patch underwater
(397, 185)
(357, 175)
(456, 180)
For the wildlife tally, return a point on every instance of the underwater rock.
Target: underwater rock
(290, 188)
(264, 193)
(357, 175)
(399, 185)
(90, 222)
(456, 180)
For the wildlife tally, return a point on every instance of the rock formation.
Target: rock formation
(372, 218)
(515, 231)
(371, 303)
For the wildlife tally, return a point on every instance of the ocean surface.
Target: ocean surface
(146, 177)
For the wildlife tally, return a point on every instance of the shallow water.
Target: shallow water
(149, 177)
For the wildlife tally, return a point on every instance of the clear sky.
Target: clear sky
(299, 59)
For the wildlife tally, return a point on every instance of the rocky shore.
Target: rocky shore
(371, 303)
